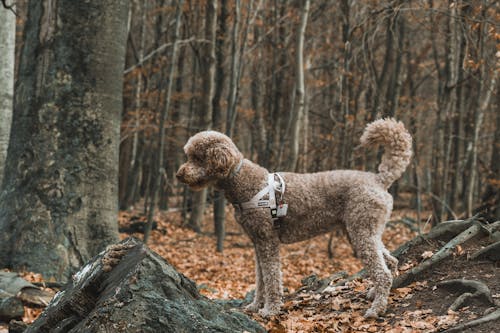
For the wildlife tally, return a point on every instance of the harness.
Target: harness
(275, 191)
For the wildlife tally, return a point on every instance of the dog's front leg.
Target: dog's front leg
(258, 300)
(267, 252)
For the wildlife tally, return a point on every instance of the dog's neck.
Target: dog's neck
(241, 186)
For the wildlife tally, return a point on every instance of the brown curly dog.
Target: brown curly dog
(317, 203)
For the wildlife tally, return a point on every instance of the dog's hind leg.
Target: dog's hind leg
(369, 249)
(392, 264)
(258, 300)
(267, 252)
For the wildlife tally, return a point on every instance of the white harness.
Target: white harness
(275, 185)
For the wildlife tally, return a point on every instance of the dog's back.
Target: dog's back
(318, 201)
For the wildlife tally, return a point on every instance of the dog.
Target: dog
(291, 207)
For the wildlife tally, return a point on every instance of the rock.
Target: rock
(11, 308)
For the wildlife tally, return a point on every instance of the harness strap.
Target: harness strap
(272, 187)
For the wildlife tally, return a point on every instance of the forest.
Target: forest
(99, 98)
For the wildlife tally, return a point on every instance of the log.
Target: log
(129, 288)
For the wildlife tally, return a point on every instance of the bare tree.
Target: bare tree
(158, 170)
(300, 94)
(207, 68)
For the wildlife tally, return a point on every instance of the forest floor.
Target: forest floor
(418, 307)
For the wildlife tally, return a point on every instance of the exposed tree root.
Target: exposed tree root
(444, 230)
(470, 290)
(495, 315)
(491, 252)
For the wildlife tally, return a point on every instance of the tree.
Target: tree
(158, 170)
(217, 118)
(207, 68)
(300, 93)
(7, 45)
(362, 61)
(58, 206)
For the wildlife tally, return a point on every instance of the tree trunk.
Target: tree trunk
(218, 119)
(300, 98)
(345, 88)
(233, 85)
(59, 205)
(7, 51)
(207, 68)
(483, 103)
(158, 170)
(129, 288)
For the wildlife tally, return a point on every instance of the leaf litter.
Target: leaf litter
(418, 307)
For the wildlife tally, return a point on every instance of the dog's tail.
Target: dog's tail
(396, 140)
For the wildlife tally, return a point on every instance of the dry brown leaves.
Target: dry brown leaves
(231, 275)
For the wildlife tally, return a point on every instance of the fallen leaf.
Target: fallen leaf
(427, 254)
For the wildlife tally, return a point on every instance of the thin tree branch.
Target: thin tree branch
(9, 7)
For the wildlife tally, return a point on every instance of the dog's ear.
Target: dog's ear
(221, 160)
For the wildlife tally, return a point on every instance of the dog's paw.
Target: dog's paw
(375, 311)
(370, 313)
(253, 307)
(267, 312)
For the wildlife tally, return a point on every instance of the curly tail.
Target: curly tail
(397, 142)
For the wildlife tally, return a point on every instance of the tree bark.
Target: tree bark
(7, 50)
(218, 119)
(59, 205)
(235, 58)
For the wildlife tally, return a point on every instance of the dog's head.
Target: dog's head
(211, 156)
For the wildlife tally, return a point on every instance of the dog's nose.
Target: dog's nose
(180, 173)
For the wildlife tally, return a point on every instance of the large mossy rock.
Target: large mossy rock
(129, 288)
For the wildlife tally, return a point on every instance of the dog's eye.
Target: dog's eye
(197, 158)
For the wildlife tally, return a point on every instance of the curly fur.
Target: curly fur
(317, 202)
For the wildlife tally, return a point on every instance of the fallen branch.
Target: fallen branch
(495, 315)
(444, 252)
(470, 290)
(444, 230)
